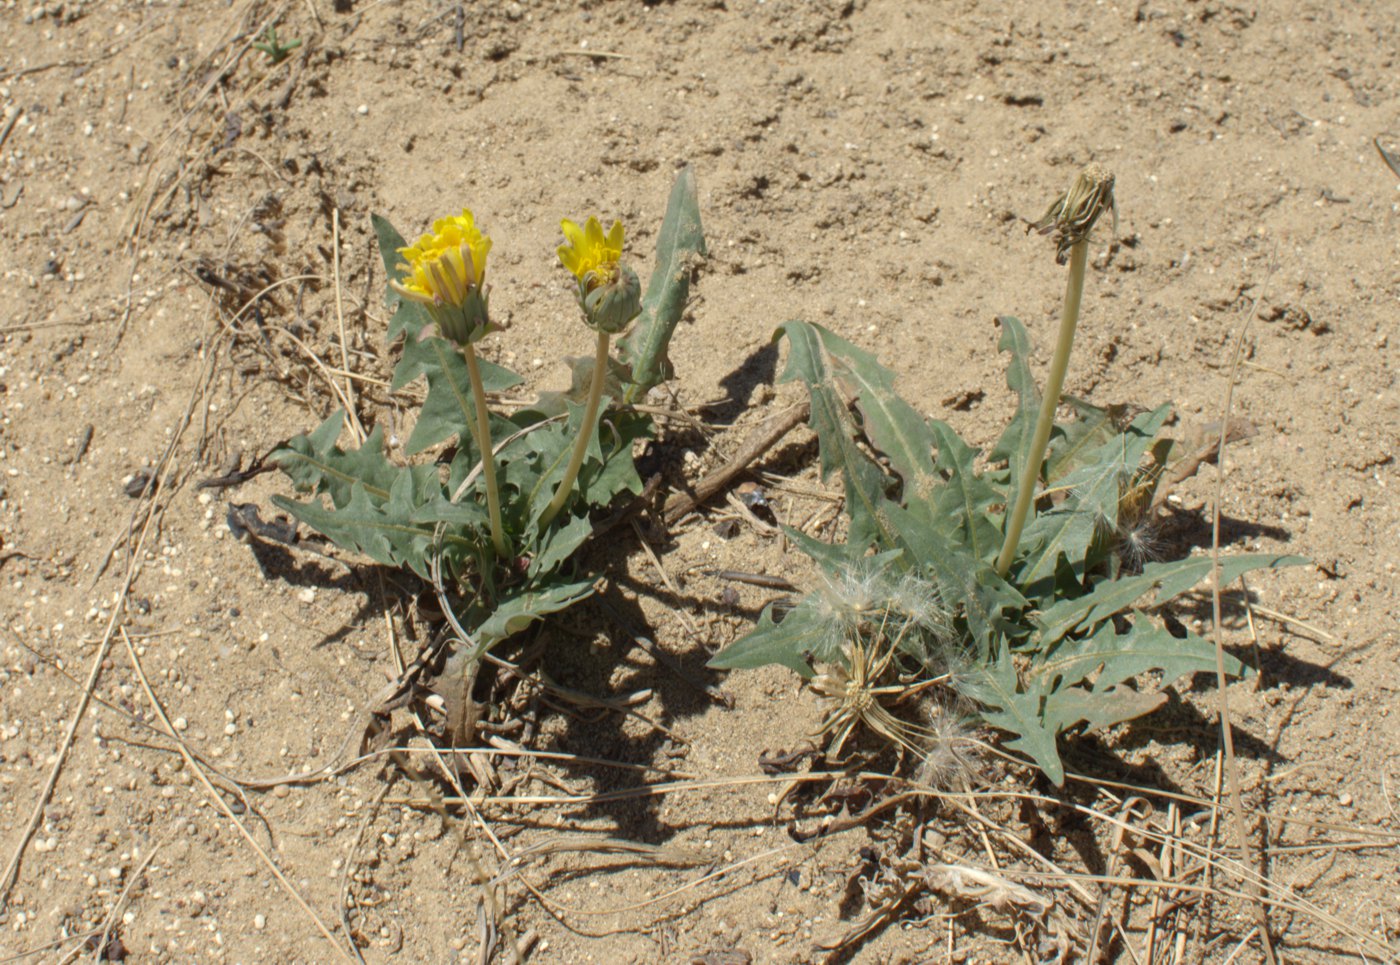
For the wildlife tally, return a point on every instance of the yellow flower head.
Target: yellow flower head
(591, 255)
(445, 271)
(445, 265)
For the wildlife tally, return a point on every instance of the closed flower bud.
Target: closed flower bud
(611, 307)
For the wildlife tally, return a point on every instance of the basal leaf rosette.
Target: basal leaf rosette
(445, 272)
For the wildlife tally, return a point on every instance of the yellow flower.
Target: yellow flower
(445, 272)
(591, 255)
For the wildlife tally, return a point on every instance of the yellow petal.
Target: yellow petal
(595, 233)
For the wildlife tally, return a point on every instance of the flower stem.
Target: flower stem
(590, 416)
(1030, 472)
(488, 458)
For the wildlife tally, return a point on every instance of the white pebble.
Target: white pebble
(259, 922)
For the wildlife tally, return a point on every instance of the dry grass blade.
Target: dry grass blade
(351, 410)
(1168, 836)
(108, 929)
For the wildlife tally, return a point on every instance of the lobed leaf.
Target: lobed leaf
(1113, 657)
(1170, 580)
(1091, 428)
(1090, 510)
(893, 426)
(517, 611)
(803, 630)
(963, 503)
(316, 464)
(1018, 710)
(963, 580)
(864, 481)
(1014, 446)
(383, 531)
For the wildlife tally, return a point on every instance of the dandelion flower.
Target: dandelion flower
(445, 271)
(590, 255)
(609, 293)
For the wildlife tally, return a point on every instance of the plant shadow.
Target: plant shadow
(624, 659)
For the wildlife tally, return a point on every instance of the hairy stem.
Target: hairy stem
(488, 458)
(1030, 472)
(590, 416)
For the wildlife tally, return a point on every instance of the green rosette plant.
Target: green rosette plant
(1015, 584)
(498, 526)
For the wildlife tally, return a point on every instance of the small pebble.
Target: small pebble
(1344, 799)
(260, 922)
(181, 723)
(362, 110)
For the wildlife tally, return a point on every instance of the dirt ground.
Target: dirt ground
(864, 164)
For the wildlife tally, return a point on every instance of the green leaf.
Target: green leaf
(1169, 579)
(581, 368)
(409, 316)
(1062, 533)
(836, 431)
(1092, 427)
(515, 613)
(554, 447)
(1098, 709)
(832, 558)
(448, 411)
(1090, 509)
(1047, 699)
(1016, 709)
(803, 630)
(557, 544)
(1014, 446)
(316, 464)
(965, 500)
(600, 482)
(433, 356)
(678, 246)
(963, 580)
(383, 532)
(1117, 657)
(893, 426)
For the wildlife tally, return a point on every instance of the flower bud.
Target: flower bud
(465, 323)
(612, 306)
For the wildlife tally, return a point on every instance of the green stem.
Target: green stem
(1030, 472)
(590, 416)
(488, 458)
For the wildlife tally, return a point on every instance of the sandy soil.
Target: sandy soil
(862, 163)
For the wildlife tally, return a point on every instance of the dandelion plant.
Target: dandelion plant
(497, 519)
(1043, 627)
